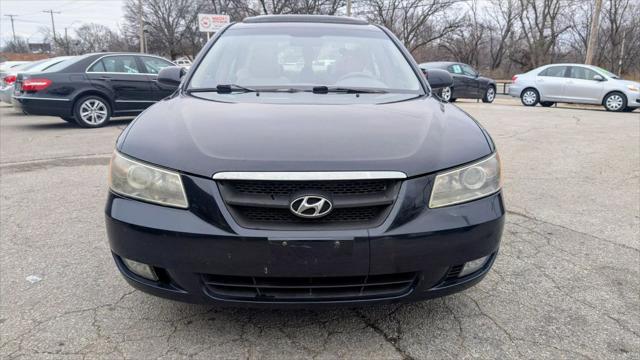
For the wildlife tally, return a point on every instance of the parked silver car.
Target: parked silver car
(7, 82)
(575, 83)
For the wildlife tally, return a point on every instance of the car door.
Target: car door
(460, 83)
(152, 66)
(471, 77)
(550, 82)
(122, 77)
(581, 87)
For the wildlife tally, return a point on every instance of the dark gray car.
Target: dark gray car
(467, 82)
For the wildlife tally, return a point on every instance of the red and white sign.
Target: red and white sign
(212, 22)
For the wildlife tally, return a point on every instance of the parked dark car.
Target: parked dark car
(90, 89)
(304, 161)
(467, 82)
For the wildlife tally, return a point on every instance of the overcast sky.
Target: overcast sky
(72, 14)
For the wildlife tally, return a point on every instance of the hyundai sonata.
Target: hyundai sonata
(304, 161)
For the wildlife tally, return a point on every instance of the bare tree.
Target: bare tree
(416, 23)
(464, 43)
(542, 22)
(170, 23)
(17, 45)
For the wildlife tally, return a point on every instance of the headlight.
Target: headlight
(144, 182)
(467, 183)
(633, 88)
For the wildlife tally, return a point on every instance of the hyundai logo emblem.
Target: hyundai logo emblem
(311, 206)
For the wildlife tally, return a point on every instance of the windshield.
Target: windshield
(606, 73)
(303, 56)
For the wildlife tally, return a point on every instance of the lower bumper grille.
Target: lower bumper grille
(266, 289)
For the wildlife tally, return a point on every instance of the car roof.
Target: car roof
(325, 19)
(438, 63)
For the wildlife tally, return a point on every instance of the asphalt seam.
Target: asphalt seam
(531, 217)
(62, 161)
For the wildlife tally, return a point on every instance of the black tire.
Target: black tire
(68, 119)
(83, 115)
(615, 101)
(529, 97)
(489, 95)
(547, 103)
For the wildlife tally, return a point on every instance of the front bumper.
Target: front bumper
(187, 247)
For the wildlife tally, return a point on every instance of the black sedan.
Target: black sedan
(90, 89)
(467, 82)
(304, 161)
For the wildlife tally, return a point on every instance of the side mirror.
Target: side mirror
(439, 79)
(171, 75)
(598, 78)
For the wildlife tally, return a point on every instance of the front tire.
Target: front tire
(92, 112)
(489, 95)
(615, 101)
(445, 94)
(530, 97)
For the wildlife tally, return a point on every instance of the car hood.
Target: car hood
(626, 82)
(204, 137)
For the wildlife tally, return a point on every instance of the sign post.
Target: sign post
(212, 22)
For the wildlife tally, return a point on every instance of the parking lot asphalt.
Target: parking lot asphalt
(566, 283)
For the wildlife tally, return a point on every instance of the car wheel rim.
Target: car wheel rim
(446, 94)
(93, 111)
(529, 97)
(490, 94)
(614, 102)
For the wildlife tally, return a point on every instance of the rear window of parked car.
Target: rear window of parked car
(554, 71)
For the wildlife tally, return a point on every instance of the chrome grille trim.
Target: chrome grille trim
(310, 176)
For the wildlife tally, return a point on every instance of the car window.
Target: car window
(579, 72)
(154, 65)
(554, 71)
(116, 64)
(303, 56)
(468, 70)
(62, 64)
(455, 69)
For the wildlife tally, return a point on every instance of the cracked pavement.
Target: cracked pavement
(566, 282)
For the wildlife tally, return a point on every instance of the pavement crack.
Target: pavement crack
(533, 218)
(393, 341)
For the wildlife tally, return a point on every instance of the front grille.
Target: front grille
(266, 204)
(265, 289)
(352, 215)
(334, 187)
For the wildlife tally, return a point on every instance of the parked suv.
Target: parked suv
(575, 83)
(467, 82)
(258, 183)
(90, 89)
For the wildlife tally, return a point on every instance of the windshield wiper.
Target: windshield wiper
(223, 89)
(345, 90)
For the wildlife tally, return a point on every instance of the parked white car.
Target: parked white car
(184, 63)
(8, 80)
(575, 83)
